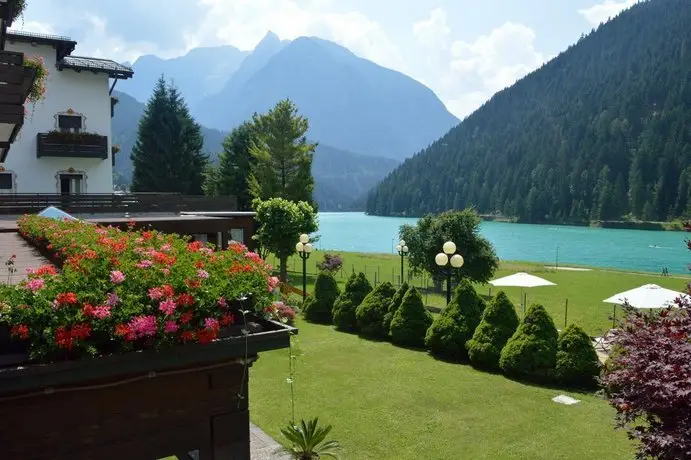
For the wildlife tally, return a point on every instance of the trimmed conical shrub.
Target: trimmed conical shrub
(395, 303)
(356, 289)
(499, 322)
(411, 321)
(455, 325)
(577, 361)
(531, 352)
(370, 313)
(317, 308)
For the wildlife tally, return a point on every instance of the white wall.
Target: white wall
(85, 93)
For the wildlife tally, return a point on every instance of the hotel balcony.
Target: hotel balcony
(72, 145)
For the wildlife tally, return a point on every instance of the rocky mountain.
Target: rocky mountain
(601, 132)
(351, 102)
(340, 177)
(200, 72)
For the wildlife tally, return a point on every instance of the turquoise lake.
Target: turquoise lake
(635, 250)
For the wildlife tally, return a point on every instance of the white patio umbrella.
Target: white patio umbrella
(521, 280)
(647, 296)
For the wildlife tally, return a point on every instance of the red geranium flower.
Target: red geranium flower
(21, 331)
(66, 298)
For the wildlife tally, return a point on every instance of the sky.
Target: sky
(464, 50)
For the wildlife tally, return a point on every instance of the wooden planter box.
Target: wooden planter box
(141, 405)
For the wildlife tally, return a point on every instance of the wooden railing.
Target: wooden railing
(71, 145)
(27, 203)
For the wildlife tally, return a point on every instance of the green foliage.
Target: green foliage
(615, 151)
(411, 321)
(37, 89)
(230, 177)
(395, 303)
(371, 312)
(318, 308)
(426, 239)
(531, 352)
(577, 361)
(167, 156)
(281, 222)
(356, 289)
(455, 325)
(308, 441)
(281, 156)
(499, 322)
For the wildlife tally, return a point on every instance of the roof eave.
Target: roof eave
(119, 74)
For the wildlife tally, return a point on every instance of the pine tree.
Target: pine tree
(455, 325)
(499, 322)
(411, 321)
(234, 165)
(167, 155)
(281, 156)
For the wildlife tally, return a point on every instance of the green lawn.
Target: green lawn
(387, 402)
(584, 290)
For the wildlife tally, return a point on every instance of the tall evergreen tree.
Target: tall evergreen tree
(234, 166)
(282, 157)
(167, 155)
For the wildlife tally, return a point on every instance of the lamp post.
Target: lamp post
(304, 249)
(402, 251)
(449, 259)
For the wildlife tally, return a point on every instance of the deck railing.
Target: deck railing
(108, 203)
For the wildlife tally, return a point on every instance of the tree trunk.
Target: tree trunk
(283, 262)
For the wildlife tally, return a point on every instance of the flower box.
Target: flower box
(100, 382)
(145, 404)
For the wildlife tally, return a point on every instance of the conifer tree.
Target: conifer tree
(411, 321)
(531, 352)
(455, 325)
(281, 156)
(167, 155)
(234, 166)
(499, 322)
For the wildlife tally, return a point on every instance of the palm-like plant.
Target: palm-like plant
(307, 441)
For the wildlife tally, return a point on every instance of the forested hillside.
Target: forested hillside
(601, 132)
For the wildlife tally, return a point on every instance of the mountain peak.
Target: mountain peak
(269, 39)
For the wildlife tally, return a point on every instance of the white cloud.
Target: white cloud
(468, 73)
(600, 13)
(242, 23)
(433, 31)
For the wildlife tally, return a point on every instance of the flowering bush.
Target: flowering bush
(331, 263)
(126, 290)
(648, 379)
(279, 311)
(38, 88)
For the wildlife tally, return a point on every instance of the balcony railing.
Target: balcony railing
(72, 145)
(106, 203)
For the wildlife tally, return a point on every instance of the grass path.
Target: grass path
(387, 402)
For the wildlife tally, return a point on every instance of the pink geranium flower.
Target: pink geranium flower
(212, 324)
(170, 327)
(101, 312)
(144, 264)
(203, 274)
(35, 285)
(155, 293)
(273, 282)
(143, 326)
(117, 277)
(167, 307)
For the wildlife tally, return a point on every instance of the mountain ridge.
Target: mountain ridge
(595, 134)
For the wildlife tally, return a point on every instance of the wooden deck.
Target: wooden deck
(27, 257)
